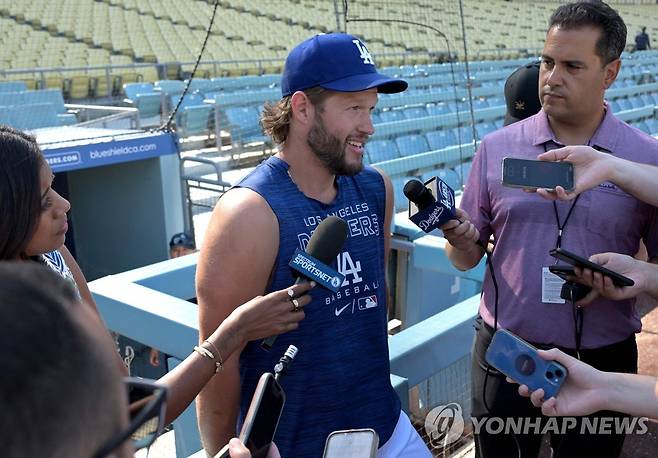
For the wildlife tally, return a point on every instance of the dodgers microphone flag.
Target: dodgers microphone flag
(431, 205)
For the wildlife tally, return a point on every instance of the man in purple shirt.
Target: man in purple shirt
(580, 60)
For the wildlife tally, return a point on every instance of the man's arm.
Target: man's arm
(235, 263)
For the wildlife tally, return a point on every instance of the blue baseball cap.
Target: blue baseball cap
(335, 61)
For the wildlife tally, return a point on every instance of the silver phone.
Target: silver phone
(356, 443)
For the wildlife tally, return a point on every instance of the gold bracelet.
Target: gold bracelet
(208, 354)
(216, 350)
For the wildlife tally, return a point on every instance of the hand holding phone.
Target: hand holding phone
(531, 174)
(263, 416)
(519, 360)
(578, 261)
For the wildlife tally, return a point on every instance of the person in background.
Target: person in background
(522, 93)
(181, 244)
(642, 41)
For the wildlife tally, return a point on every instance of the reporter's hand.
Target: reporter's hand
(603, 286)
(581, 394)
(591, 168)
(272, 314)
(460, 232)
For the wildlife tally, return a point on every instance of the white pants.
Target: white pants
(404, 442)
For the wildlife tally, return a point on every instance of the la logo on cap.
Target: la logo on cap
(363, 52)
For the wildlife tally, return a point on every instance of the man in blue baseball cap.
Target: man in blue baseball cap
(341, 376)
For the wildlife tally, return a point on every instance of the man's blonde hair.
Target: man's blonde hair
(276, 117)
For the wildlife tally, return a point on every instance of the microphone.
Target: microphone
(282, 366)
(431, 205)
(324, 245)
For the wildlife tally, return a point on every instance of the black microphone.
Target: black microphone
(326, 242)
(434, 203)
(416, 192)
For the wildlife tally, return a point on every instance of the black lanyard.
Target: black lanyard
(577, 311)
(560, 227)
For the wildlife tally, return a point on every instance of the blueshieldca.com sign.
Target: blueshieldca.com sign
(317, 271)
(109, 150)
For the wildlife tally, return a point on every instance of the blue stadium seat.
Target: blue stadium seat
(193, 119)
(391, 115)
(480, 103)
(440, 139)
(448, 175)
(636, 102)
(381, 150)
(643, 126)
(53, 96)
(374, 116)
(34, 116)
(201, 85)
(169, 87)
(408, 145)
(465, 134)
(484, 128)
(132, 89)
(414, 112)
(647, 99)
(614, 106)
(11, 98)
(12, 86)
(462, 170)
(244, 124)
(401, 202)
(652, 124)
(624, 104)
(438, 109)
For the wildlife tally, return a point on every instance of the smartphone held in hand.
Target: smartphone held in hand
(519, 360)
(531, 174)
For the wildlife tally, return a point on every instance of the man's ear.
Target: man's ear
(302, 108)
(611, 71)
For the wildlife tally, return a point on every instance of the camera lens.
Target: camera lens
(549, 375)
(525, 364)
(558, 373)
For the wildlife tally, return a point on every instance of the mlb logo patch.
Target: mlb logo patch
(367, 302)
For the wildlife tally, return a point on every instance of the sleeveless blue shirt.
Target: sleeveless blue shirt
(340, 378)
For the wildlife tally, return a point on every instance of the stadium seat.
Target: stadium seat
(381, 150)
(449, 176)
(401, 202)
(12, 86)
(132, 89)
(438, 109)
(408, 145)
(440, 139)
(391, 115)
(414, 112)
(193, 119)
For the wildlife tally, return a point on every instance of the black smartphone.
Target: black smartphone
(578, 261)
(564, 272)
(263, 416)
(519, 360)
(531, 174)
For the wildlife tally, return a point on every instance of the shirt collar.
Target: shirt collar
(605, 136)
